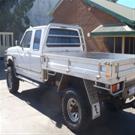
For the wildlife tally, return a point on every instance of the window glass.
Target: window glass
(37, 38)
(63, 37)
(63, 32)
(26, 40)
(62, 40)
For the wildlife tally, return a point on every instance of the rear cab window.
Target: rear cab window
(58, 37)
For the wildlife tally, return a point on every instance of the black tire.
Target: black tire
(84, 115)
(12, 80)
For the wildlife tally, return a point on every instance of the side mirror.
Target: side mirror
(16, 42)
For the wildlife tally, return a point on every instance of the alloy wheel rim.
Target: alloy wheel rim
(73, 110)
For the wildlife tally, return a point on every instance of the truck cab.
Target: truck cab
(42, 39)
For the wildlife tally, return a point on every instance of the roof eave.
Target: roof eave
(54, 9)
(118, 16)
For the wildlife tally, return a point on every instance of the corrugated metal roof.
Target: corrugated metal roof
(112, 31)
(123, 13)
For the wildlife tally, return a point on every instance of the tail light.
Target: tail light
(117, 87)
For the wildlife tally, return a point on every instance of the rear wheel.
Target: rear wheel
(12, 80)
(75, 110)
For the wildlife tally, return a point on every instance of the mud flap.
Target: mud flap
(93, 99)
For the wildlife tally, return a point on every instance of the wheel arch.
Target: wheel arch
(85, 88)
(72, 82)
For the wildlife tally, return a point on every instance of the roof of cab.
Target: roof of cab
(55, 25)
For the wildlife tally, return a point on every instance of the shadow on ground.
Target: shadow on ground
(47, 101)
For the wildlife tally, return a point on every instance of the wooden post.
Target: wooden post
(134, 45)
(12, 38)
(129, 45)
(4, 40)
(114, 44)
(123, 44)
(0, 41)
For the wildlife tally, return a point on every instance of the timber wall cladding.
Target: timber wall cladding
(76, 12)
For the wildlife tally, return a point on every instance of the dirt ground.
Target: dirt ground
(36, 111)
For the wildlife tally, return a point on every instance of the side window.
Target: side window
(27, 39)
(63, 38)
(37, 38)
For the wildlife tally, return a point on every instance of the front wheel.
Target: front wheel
(12, 80)
(75, 111)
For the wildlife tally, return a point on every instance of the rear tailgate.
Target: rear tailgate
(125, 69)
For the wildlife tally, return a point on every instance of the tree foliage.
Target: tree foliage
(13, 15)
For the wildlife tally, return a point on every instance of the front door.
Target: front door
(24, 54)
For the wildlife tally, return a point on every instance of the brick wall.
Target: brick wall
(76, 12)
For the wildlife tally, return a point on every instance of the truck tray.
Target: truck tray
(108, 68)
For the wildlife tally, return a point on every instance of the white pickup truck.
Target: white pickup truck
(56, 54)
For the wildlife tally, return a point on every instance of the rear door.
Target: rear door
(35, 57)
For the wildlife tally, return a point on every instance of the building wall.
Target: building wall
(76, 12)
